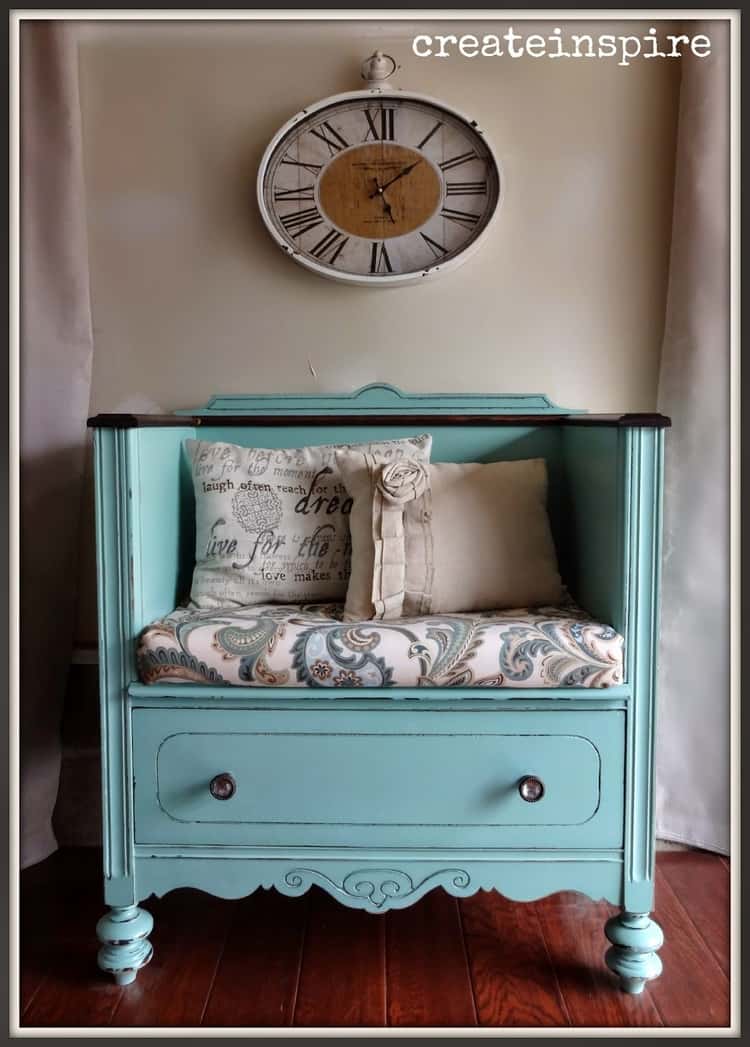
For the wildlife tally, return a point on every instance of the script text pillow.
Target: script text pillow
(447, 537)
(272, 525)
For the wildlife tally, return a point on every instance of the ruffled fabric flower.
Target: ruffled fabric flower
(402, 481)
(401, 513)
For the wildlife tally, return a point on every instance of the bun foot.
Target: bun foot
(635, 937)
(124, 933)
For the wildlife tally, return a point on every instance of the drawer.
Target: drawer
(389, 778)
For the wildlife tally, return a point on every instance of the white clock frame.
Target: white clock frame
(364, 279)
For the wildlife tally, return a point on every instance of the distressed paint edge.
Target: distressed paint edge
(382, 855)
(442, 696)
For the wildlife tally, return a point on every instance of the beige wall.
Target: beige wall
(190, 296)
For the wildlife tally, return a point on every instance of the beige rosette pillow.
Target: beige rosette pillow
(447, 537)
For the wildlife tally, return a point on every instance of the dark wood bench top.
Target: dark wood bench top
(145, 421)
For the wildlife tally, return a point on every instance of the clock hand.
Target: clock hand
(395, 178)
(379, 192)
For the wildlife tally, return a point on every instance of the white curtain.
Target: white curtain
(55, 372)
(693, 736)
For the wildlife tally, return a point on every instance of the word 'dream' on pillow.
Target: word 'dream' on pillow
(272, 524)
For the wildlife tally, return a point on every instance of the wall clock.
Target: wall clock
(379, 187)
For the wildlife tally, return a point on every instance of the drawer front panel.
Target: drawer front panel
(378, 778)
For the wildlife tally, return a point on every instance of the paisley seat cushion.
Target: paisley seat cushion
(310, 645)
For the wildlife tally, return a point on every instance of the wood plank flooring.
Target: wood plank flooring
(269, 961)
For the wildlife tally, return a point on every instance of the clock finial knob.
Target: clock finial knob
(377, 69)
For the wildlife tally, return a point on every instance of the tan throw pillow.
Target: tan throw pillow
(272, 525)
(447, 538)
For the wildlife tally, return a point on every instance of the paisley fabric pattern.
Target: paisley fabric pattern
(310, 645)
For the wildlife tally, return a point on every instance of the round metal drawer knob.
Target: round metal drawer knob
(223, 787)
(531, 789)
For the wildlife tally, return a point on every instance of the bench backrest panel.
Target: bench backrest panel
(583, 509)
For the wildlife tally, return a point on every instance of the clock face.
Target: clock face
(378, 188)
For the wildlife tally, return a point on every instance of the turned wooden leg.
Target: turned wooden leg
(632, 956)
(124, 933)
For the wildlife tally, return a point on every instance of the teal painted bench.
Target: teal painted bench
(379, 796)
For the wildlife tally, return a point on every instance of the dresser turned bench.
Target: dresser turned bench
(379, 794)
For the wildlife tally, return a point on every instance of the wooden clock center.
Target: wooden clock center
(379, 191)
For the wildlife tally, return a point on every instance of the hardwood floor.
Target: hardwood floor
(272, 961)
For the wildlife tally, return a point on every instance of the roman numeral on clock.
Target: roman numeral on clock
(456, 161)
(381, 130)
(466, 188)
(299, 222)
(437, 249)
(429, 135)
(461, 217)
(379, 260)
(306, 192)
(332, 241)
(312, 168)
(331, 137)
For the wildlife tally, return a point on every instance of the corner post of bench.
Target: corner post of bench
(115, 455)
(642, 459)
